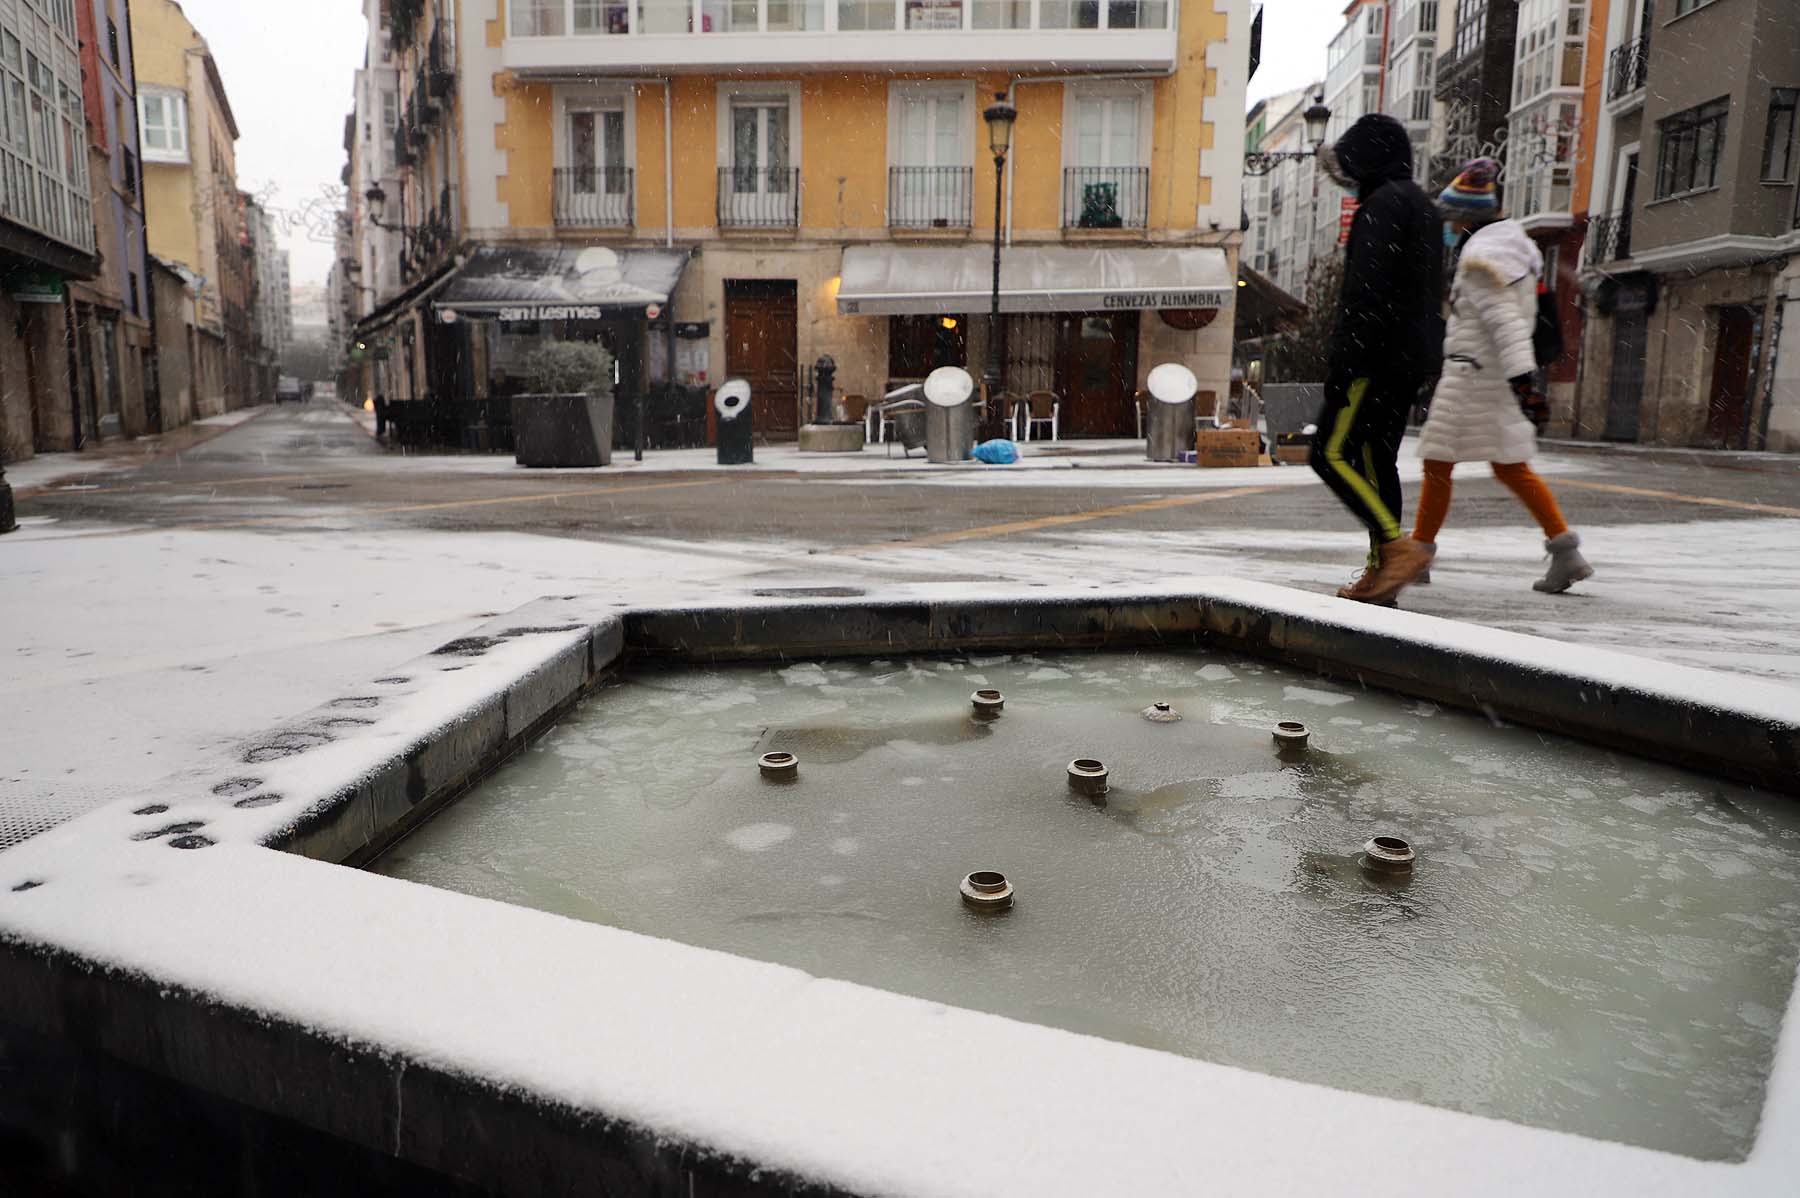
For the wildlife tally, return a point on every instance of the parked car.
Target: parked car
(325, 391)
(287, 390)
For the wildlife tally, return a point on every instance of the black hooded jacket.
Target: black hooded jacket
(1390, 316)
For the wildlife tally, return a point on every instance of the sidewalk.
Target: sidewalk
(1720, 459)
(47, 469)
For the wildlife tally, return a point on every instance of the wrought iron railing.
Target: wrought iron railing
(1106, 197)
(593, 197)
(1628, 68)
(931, 197)
(1609, 237)
(759, 197)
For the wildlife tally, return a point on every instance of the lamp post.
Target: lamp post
(7, 521)
(999, 117)
(1317, 118)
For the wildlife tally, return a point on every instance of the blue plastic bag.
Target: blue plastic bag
(998, 452)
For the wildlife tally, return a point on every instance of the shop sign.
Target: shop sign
(553, 312)
(35, 287)
(1164, 299)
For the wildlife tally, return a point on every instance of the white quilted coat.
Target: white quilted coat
(1475, 416)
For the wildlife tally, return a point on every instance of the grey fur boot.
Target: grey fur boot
(1567, 566)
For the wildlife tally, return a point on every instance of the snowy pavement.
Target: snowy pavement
(186, 604)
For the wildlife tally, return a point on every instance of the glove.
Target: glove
(1531, 401)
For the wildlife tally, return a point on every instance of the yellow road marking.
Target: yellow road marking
(1040, 523)
(1765, 509)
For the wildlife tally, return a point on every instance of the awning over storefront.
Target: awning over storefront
(1263, 308)
(907, 280)
(560, 282)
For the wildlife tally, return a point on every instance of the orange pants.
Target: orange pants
(1520, 479)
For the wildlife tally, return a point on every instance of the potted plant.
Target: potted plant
(567, 418)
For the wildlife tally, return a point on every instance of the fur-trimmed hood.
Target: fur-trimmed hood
(1504, 251)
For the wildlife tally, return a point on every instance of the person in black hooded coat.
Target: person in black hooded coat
(1387, 343)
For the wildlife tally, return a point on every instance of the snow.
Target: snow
(46, 469)
(128, 657)
(1095, 464)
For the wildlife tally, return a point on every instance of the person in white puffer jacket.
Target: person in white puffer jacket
(1487, 407)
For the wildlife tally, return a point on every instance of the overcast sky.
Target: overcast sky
(288, 67)
(1295, 34)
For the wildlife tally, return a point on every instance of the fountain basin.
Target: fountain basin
(260, 968)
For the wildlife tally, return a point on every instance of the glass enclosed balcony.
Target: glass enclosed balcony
(623, 36)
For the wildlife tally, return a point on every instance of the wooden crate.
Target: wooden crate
(1227, 447)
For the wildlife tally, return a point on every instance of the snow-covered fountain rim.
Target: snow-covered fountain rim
(819, 1078)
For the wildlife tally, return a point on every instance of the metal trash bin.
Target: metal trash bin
(949, 416)
(732, 403)
(1169, 422)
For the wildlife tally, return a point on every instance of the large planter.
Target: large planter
(562, 430)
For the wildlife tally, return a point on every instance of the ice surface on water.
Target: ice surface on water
(1590, 943)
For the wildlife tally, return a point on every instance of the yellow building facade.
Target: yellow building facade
(822, 171)
(192, 207)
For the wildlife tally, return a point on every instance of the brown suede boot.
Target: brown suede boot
(1362, 587)
(1401, 562)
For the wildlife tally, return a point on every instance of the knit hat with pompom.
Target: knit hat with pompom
(1474, 195)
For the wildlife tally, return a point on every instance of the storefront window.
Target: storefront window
(918, 345)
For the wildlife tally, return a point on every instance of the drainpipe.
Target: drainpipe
(668, 166)
(153, 359)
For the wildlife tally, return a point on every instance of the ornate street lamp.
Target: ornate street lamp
(377, 200)
(1317, 118)
(999, 117)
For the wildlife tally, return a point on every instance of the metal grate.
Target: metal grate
(930, 197)
(1106, 197)
(753, 197)
(594, 197)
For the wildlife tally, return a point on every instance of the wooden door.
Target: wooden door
(1730, 403)
(1097, 373)
(761, 347)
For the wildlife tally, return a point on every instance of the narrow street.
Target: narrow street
(202, 596)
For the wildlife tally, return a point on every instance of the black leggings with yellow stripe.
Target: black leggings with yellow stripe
(1357, 445)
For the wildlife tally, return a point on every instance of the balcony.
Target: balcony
(593, 197)
(1628, 69)
(1609, 238)
(1106, 197)
(623, 37)
(754, 197)
(931, 197)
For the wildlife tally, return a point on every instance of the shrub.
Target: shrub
(570, 368)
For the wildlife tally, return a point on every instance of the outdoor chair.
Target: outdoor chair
(1045, 411)
(1012, 411)
(902, 399)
